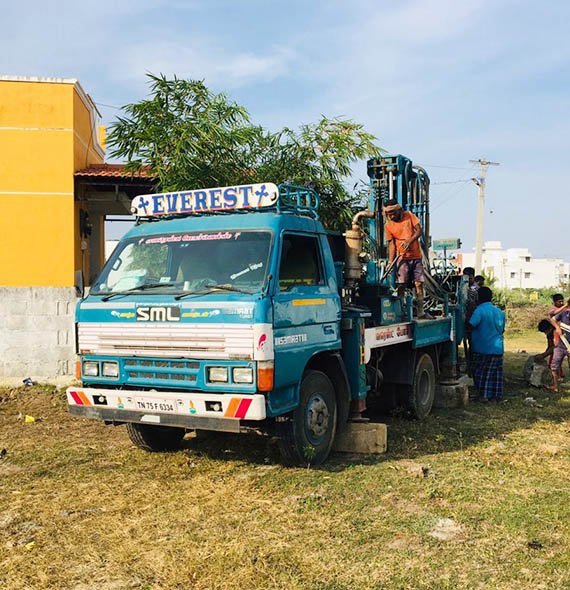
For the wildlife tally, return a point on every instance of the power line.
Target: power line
(451, 196)
(449, 189)
(109, 106)
(450, 181)
(448, 167)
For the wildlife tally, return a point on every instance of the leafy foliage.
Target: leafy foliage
(191, 137)
(184, 133)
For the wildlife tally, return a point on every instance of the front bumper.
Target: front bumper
(205, 411)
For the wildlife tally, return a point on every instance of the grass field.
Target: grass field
(471, 498)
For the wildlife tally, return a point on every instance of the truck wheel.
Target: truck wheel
(306, 435)
(155, 438)
(422, 391)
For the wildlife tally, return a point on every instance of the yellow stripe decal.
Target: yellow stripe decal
(298, 302)
(86, 401)
(232, 407)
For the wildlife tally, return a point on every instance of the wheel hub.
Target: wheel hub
(317, 416)
(423, 388)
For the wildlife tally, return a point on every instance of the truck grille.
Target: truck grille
(184, 340)
(161, 372)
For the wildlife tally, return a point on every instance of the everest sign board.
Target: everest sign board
(226, 198)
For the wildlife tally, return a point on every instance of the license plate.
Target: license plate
(164, 406)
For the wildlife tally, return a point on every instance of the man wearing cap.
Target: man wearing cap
(403, 232)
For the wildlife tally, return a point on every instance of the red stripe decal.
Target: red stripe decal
(243, 408)
(76, 398)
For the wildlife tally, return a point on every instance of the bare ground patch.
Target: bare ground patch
(80, 507)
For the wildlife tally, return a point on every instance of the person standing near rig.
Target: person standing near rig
(488, 328)
(403, 232)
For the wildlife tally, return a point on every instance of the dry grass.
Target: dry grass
(81, 508)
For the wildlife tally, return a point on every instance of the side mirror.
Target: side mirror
(79, 284)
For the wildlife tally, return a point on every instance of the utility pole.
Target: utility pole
(480, 182)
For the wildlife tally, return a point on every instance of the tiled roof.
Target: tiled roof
(113, 171)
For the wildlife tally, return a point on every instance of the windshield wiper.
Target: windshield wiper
(210, 289)
(228, 288)
(136, 289)
(195, 292)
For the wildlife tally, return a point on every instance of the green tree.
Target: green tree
(191, 138)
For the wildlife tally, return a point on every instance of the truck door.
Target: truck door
(306, 310)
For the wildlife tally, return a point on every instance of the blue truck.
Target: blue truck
(233, 308)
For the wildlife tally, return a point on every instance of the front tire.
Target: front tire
(306, 435)
(421, 394)
(156, 439)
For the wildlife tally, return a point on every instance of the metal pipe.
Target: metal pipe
(353, 240)
(365, 214)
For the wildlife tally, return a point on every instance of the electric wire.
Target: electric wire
(451, 181)
(448, 167)
(446, 193)
(109, 106)
(449, 197)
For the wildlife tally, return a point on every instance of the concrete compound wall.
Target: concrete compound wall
(37, 334)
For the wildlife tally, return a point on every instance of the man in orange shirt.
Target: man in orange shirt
(403, 232)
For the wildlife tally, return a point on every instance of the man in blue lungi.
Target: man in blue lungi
(488, 327)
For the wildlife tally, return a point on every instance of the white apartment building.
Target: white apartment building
(516, 268)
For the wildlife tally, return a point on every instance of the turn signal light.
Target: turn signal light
(265, 371)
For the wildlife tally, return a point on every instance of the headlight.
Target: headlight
(218, 374)
(110, 369)
(90, 369)
(243, 375)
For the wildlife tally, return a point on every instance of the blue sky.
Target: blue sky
(442, 81)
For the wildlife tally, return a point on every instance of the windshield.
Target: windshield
(188, 262)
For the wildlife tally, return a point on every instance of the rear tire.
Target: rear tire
(306, 435)
(157, 439)
(421, 394)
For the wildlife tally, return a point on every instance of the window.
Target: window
(527, 258)
(513, 275)
(527, 275)
(300, 262)
(192, 261)
(133, 266)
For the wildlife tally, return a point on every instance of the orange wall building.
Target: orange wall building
(49, 129)
(55, 192)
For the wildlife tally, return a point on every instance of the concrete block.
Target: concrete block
(39, 307)
(452, 394)
(43, 337)
(15, 307)
(14, 322)
(362, 437)
(16, 369)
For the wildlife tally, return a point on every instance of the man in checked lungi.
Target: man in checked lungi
(487, 337)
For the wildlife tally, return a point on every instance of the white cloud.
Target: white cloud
(201, 59)
(422, 21)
